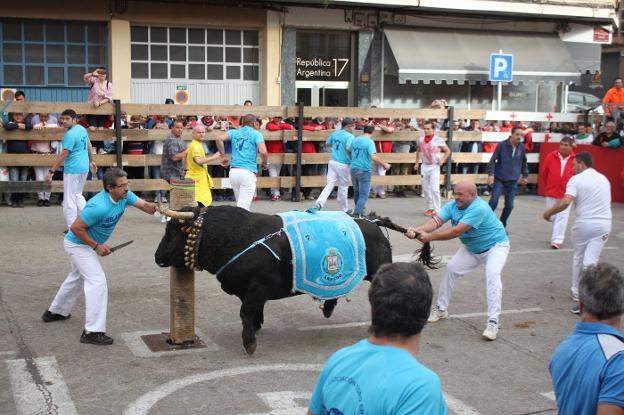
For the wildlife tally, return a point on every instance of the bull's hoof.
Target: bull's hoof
(251, 348)
(328, 307)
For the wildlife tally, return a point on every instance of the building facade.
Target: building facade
(387, 54)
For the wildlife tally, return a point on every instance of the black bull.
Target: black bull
(257, 276)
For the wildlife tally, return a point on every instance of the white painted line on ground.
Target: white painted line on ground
(138, 347)
(549, 395)
(522, 310)
(458, 406)
(142, 405)
(46, 395)
(285, 403)
(335, 326)
(367, 323)
(446, 258)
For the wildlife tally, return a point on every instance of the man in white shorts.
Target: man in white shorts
(76, 161)
(590, 192)
(433, 152)
(247, 143)
(339, 167)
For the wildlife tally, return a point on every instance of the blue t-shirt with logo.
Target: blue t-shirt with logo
(101, 215)
(485, 228)
(245, 142)
(587, 369)
(361, 149)
(370, 379)
(76, 141)
(340, 140)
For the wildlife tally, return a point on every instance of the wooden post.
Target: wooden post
(182, 288)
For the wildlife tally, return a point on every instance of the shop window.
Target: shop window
(195, 53)
(40, 53)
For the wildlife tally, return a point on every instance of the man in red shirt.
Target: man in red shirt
(382, 147)
(613, 100)
(276, 147)
(556, 169)
(310, 147)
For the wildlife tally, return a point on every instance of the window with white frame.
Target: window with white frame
(194, 53)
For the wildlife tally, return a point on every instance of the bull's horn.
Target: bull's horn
(177, 215)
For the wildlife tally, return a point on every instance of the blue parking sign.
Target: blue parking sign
(501, 67)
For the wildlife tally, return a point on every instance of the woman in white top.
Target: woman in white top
(43, 147)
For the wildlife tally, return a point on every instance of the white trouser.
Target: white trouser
(85, 273)
(378, 170)
(341, 173)
(588, 239)
(73, 200)
(463, 262)
(40, 174)
(431, 185)
(274, 171)
(244, 185)
(559, 221)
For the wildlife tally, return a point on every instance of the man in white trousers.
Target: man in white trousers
(85, 241)
(590, 192)
(484, 241)
(433, 152)
(247, 143)
(76, 161)
(339, 167)
(556, 170)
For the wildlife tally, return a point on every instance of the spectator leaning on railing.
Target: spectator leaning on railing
(610, 134)
(101, 93)
(17, 121)
(40, 122)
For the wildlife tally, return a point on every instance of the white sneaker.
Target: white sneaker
(437, 314)
(491, 330)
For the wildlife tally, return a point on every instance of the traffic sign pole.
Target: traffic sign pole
(500, 89)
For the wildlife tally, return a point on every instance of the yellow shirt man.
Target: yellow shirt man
(197, 166)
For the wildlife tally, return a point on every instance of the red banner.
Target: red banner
(607, 161)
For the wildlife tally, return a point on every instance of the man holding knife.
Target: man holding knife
(85, 241)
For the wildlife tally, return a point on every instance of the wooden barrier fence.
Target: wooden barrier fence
(296, 181)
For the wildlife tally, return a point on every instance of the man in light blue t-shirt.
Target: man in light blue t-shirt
(363, 155)
(484, 240)
(247, 143)
(381, 375)
(587, 368)
(338, 169)
(85, 241)
(76, 161)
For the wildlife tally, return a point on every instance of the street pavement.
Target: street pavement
(45, 369)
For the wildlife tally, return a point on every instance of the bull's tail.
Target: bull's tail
(424, 254)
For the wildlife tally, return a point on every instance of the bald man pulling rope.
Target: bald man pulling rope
(484, 240)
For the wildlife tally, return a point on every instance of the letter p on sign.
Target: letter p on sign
(501, 68)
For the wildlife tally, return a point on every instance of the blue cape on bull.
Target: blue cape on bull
(262, 269)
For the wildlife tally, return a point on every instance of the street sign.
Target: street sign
(501, 67)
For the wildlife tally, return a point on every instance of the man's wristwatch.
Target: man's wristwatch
(51, 171)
